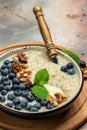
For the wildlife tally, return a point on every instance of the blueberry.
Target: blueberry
(71, 71)
(10, 70)
(28, 107)
(16, 81)
(18, 92)
(69, 66)
(15, 87)
(25, 93)
(16, 101)
(6, 82)
(49, 106)
(11, 75)
(4, 78)
(3, 67)
(9, 104)
(30, 97)
(38, 105)
(33, 109)
(10, 96)
(4, 72)
(38, 99)
(2, 98)
(64, 69)
(82, 64)
(24, 102)
(4, 92)
(6, 62)
(9, 65)
(22, 86)
(44, 102)
(1, 86)
(8, 87)
(18, 107)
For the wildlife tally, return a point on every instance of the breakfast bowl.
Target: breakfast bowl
(32, 86)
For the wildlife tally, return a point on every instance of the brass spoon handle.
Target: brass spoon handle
(44, 31)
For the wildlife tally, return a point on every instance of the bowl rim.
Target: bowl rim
(4, 51)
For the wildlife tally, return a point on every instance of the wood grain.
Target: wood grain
(73, 118)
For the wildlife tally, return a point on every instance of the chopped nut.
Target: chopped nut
(60, 98)
(50, 99)
(17, 67)
(84, 71)
(56, 104)
(22, 58)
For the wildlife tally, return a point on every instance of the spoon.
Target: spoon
(45, 32)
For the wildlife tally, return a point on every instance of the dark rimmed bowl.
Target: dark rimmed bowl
(57, 110)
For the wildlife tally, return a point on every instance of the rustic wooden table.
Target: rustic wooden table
(67, 20)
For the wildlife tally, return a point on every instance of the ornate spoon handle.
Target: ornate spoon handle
(45, 31)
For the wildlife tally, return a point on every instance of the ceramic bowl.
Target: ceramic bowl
(14, 49)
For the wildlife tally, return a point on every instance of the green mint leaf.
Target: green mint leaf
(72, 55)
(40, 92)
(41, 77)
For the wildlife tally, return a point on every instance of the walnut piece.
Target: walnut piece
(60, 98)
(17, 67)
(84, 71)
(22, 73)
(22, 58)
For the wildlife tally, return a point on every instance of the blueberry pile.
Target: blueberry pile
(14, 94)
(69, 68)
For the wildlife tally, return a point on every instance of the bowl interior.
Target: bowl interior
(9, 54)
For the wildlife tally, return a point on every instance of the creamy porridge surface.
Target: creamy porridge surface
(59, 81)
(38, 59)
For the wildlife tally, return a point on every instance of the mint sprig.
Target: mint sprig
(41, 78)
(40, 91)
(72, 55)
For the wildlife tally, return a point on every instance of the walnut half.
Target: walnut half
(22, 58)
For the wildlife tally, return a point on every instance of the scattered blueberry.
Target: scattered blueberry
(25, 93)
(2, 98)
(16, 81)
(3, 67)
(9, 65)
(10, 96)
(44, 102)
(9, 104)
(4, 72)
(4, 78)
(64, 69)
(22, 86)
(33, 109)
(18, 107)
(16, 101)
(24, 102)
(30, 97)
(15, 87)
(69, 66)
(6, 82)
(18, 92)
(11, 75)
(71, 71)
(49, 106)
(8, 87)
(38, 99)
(38, 105)
(28, 107)
(4, 92)
(82, 64)
(1, 86)
(6, 62)
(10, 70)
